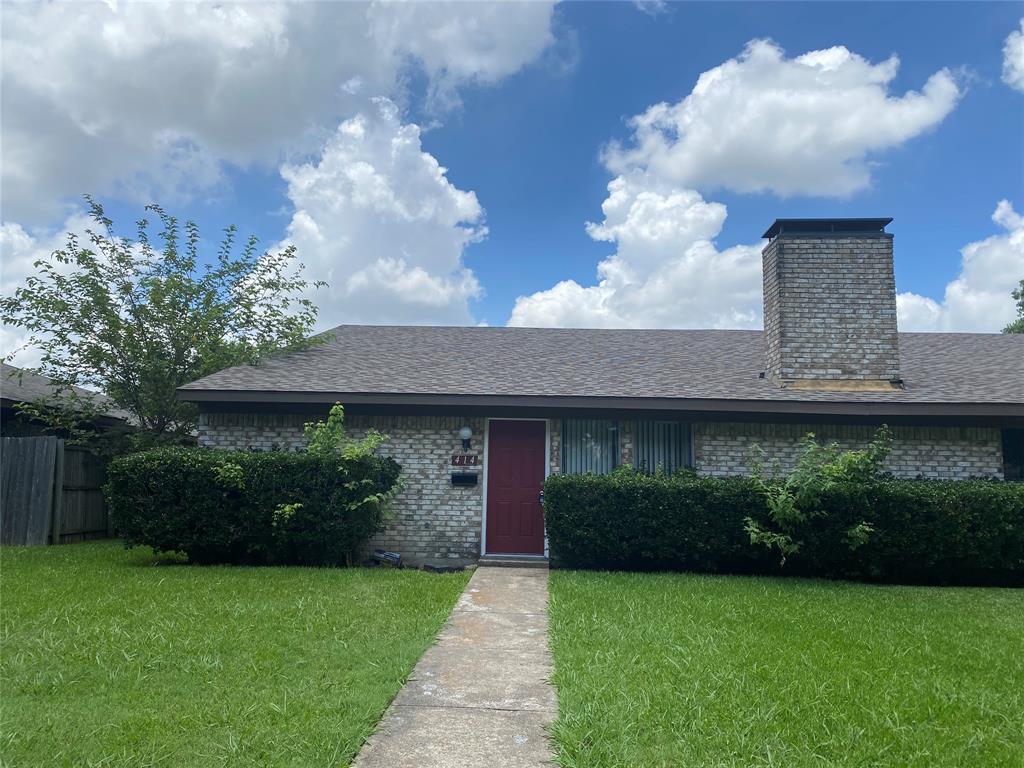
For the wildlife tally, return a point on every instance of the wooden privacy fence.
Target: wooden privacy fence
(50, 493)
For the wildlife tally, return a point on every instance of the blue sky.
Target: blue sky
(547, 179)
(519, 104)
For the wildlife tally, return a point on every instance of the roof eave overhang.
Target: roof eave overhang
(569, 403)
(103, 419)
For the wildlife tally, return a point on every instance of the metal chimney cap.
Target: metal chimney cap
(827, 226)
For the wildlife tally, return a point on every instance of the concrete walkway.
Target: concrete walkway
(480, 696)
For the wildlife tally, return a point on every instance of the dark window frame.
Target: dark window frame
(1013, 453)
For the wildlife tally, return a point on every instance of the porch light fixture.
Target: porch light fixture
(465, 433)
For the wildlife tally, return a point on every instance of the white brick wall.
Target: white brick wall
(555, 435)
(938, 452)
(252, 431)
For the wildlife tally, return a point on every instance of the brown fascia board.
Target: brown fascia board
(1014, 411)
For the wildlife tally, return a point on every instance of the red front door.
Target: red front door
(515, 478)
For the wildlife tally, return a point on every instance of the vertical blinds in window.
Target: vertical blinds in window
(664, 444)
(589, 445)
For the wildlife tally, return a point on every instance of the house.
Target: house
(22, 386)
(52, 491)
(478, 416)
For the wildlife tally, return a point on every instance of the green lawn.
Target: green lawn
(110, 659)
(689, 670)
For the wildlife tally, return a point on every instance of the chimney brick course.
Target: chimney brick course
(830, 308)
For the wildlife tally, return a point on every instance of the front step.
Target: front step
(514, 561)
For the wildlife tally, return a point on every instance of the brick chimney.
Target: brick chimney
(830, 305)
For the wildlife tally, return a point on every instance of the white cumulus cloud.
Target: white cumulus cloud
(152, 99)
(666, 272)
(979, 298)
(376, 217)
(157, 100)
(19, 250)
(759, 122)
(1013, 59)
(463, 42)
(764, 122)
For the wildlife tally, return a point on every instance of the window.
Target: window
(589, 445)
(664, 444)
(1013, 454)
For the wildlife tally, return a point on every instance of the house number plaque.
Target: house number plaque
(464, 460)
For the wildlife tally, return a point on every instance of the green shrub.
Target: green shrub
(922, 531)
(230, 507)
(795, 499)
(328, 438)
(965, 532)
(631, 520)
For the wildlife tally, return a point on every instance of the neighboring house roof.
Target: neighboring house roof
(20, 386)
(651, 369)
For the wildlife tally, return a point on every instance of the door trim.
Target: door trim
(487, 469)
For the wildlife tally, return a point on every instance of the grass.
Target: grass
(110, 659)
(691, 670)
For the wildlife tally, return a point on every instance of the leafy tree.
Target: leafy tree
(1017, 326)
(328, 438)
(138, 318)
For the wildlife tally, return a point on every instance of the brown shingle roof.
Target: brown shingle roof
(581, 363)
(20, 386)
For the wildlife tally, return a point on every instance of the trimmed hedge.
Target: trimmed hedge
(230, 507)
(925, 531)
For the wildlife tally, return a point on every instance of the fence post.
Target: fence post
(57, 516)
(111, 532)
